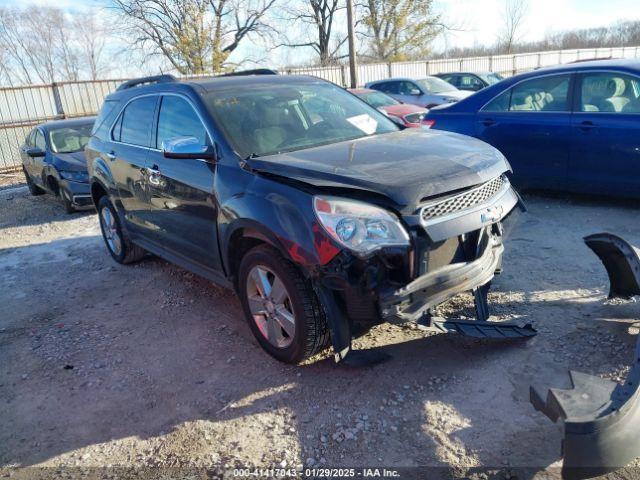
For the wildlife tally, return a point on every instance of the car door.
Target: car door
(126, 156)
(451, 78)
(469, 83)
(530, 124)
(37, 164)
(411, 93)
(391, 88)
(605, 149)
(26, 159)
(182, 203)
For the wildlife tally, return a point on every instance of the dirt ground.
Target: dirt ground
(149, 365)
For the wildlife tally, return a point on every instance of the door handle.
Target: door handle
(487, 122)
(586, 125)
(111, 156)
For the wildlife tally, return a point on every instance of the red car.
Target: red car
(411, 115)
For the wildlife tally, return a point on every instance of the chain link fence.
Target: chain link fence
(21, 108)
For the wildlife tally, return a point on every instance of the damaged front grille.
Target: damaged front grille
(462, 201)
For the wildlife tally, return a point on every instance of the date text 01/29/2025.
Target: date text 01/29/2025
(317, 472)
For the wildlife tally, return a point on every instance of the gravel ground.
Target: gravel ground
(150, 365)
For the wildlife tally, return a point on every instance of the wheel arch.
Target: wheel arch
(241, 237)
(97, 192)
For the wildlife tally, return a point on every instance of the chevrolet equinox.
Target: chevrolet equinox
(323, 214)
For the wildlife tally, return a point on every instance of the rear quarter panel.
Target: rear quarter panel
(458, 122)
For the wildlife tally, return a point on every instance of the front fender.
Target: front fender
(101, 173)
(279, 214)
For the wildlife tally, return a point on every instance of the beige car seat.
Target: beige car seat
(617, 87)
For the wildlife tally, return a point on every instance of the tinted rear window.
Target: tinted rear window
(136, 122)
(105, 119)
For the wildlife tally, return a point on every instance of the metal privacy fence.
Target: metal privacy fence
(506, 65)
(21, 108)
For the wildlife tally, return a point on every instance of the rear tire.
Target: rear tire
(33, 188)
(286, 295)
(120, 247)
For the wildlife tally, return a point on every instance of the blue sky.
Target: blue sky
(480, 20)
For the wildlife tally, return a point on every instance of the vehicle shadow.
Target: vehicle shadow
(19, 209)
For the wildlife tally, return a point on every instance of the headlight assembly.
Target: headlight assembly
(359, 226)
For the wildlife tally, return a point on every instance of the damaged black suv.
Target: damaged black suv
(322, 213)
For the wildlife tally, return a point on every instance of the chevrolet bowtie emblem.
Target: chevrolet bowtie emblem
(491, 214)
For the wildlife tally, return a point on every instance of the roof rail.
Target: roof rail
(256, 71)
(147, 80)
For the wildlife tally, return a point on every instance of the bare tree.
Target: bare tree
(399, 29)
(513, 20)
(317, 21)
(195, 36)
(38, 45)
(91, 35)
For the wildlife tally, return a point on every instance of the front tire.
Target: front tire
(281, 306)
(66, 200)
(121, 248)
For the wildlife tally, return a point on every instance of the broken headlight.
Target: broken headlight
(359, 226)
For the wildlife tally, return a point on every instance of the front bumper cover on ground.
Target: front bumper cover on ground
(601, 417)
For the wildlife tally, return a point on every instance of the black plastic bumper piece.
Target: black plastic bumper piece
(621, 260)
(601, 421)
(478, 329)
(601, 418)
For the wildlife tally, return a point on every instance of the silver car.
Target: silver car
(424, 92)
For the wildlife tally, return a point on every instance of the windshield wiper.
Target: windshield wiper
(251, 155)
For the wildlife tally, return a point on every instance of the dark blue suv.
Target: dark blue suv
(53, 161)
(324, 215)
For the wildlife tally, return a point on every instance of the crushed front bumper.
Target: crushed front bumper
(601, 417)
(412, 301)
(78, 193)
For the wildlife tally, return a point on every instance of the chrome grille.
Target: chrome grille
(470, 198)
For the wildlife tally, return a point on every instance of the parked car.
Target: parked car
(324, 215)
(410, 115)
(424, 92)
(470, 81)
(574, 127)
(53, 161)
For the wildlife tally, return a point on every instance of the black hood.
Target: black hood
(405, 166)
(72, 162)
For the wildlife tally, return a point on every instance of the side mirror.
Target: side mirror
(34, 152)
(188, 147)
(415, 91)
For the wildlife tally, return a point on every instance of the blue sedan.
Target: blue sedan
(53, 161)
(574, 127)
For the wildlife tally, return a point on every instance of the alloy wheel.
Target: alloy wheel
(110, 231)
(271, 306)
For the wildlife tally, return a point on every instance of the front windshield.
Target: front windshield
(270, 119)
(436, 85)
(70, 139)
(491, 78)
(378, 99)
